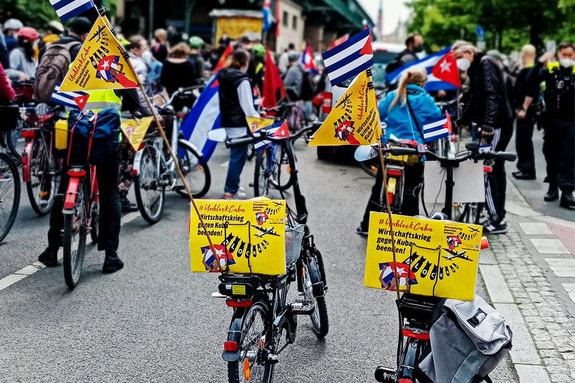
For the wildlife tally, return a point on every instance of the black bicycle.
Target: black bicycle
(417, 312)
(262, 313)
(9, 194)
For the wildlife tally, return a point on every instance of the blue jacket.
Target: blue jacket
(399, 120)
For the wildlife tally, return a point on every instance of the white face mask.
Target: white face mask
(567, 63)
(463, 64)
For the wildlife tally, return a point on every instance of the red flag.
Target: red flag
(446, 70)
(272, 82)
(223, 59)
(341, 40)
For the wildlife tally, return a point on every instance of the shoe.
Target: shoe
(567, 200)
(112, 263)
(523, 176)
(238, 195)
(49, 258)
(361, 231)
(495, 227)
(128, 207)
(552, 194)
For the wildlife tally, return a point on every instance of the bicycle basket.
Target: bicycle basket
(294, 237)
(8, 117)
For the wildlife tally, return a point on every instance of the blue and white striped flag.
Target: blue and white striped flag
(279, 129)
(67, 9)
(74, 100)
(433, 83)
(437, 129)
(349, 58)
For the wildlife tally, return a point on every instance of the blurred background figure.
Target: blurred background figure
(160, 47)
(11, 28)
(22, 58)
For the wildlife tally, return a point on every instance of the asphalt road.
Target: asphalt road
(155, 321)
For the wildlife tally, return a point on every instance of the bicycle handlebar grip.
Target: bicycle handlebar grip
(396, 151)
(507, 156)
(231, 142)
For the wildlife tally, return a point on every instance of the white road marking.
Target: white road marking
(535, 228)
(570, 288)
(563, 268)
(549, 246)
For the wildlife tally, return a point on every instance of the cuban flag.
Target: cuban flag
(429, 63)
(267, 12)
(453, 241)
(67, 9)
(349, 58)
(436, 129)
(307, 59)
(279, 130)
(405, 276)
(204, 116)
(224, 257)
(74, 100)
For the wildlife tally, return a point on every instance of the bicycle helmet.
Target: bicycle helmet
(259, 50)
(56, 26)
(195, 42)
(14, 24)
(28, 33)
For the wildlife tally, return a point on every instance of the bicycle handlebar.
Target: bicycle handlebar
(470, 154)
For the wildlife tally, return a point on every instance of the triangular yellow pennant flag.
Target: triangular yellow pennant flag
(258, 123)
(100, 64)
(354, 119)
(135, 130)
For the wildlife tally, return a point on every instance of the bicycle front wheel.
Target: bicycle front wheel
(9, 194)
(310, 274)
(252, 365)
(41, 187)
(149, 186)
(195, 170)
(75, 232)
(264, 172)
(285, 162)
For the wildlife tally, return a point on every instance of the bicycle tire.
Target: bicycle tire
(94, 226)
(318, 317)
(148, 183)
(195, 169)
(9, 195)
(287, 162)
(246, 347)
(262, 176)
(12, 138)
(75, 232)
(40, 177)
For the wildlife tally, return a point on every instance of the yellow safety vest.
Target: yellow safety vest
(102, 99)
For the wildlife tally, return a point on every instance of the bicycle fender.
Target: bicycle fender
(137, 161)
(71, 193)
(193, 147)
(315, 276)
(234, 335)
(28, 156)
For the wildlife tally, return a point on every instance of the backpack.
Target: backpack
(306, 90)
(52, 69)
(467, 342)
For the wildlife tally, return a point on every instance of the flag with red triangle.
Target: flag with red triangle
(350, 58)
(446, 70)
(70, 99)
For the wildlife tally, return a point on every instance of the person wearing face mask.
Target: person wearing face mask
(413, 45)
(236, 102)
(558, 120)
(489, 108)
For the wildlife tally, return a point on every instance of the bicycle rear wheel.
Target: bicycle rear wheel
(148, 186)
(41, 187)
(195, 170)
(14, 142)
(252, 365)
(75, 232)
(9, 194)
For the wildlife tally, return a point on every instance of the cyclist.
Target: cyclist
(7, 93)
(236, 102)
(22, 57)
(293, 78)
(405, 110)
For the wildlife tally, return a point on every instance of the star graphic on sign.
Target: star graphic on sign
(106, 64)
(219, 253)
(400, 271)
(445, 66)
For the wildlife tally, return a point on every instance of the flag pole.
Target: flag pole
(164, 137)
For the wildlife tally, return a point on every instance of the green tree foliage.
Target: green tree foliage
(508, 23)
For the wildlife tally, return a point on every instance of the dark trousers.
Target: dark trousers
(558, 148)
(410, 205)
(524, 144)
(110, 209)
(496, 186)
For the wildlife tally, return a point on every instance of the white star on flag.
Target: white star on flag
(445, 66)
(106, 64)
(220, 253)
(400, 271)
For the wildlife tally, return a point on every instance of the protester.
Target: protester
(236, 102)
(4, 60)
(283, 61)
(259, 64)
(7, 93)
(139, 45)
(525, 117)
(22, 57)
(160, 48)
(224, 41)
(54, 32)
(293, 78)
(178, 71)
(195, 55)
(11, 28)
(404, 124)
(413, 45)
(489, 108)
(558, 120)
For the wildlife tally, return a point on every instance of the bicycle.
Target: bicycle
(25, 101)
(39, 165)
(262, 315)
(154, 169)
(9, 194)
(416, 312)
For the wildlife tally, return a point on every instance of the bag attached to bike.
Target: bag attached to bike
(467, 342)
(8, 117)
(94, 137)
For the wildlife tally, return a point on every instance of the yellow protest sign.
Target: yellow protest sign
(258, 123)
(135, 130)
(354, 120)
(100, 64)
(248, 236)
(434, 258)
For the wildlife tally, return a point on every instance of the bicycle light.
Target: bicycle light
(231, 346)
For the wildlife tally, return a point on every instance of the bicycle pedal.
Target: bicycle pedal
(302, 308)
(385, 375)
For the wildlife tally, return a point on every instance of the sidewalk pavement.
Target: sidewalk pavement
(529, 273)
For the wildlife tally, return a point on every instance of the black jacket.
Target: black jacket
(488, 103)
(231, 113)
